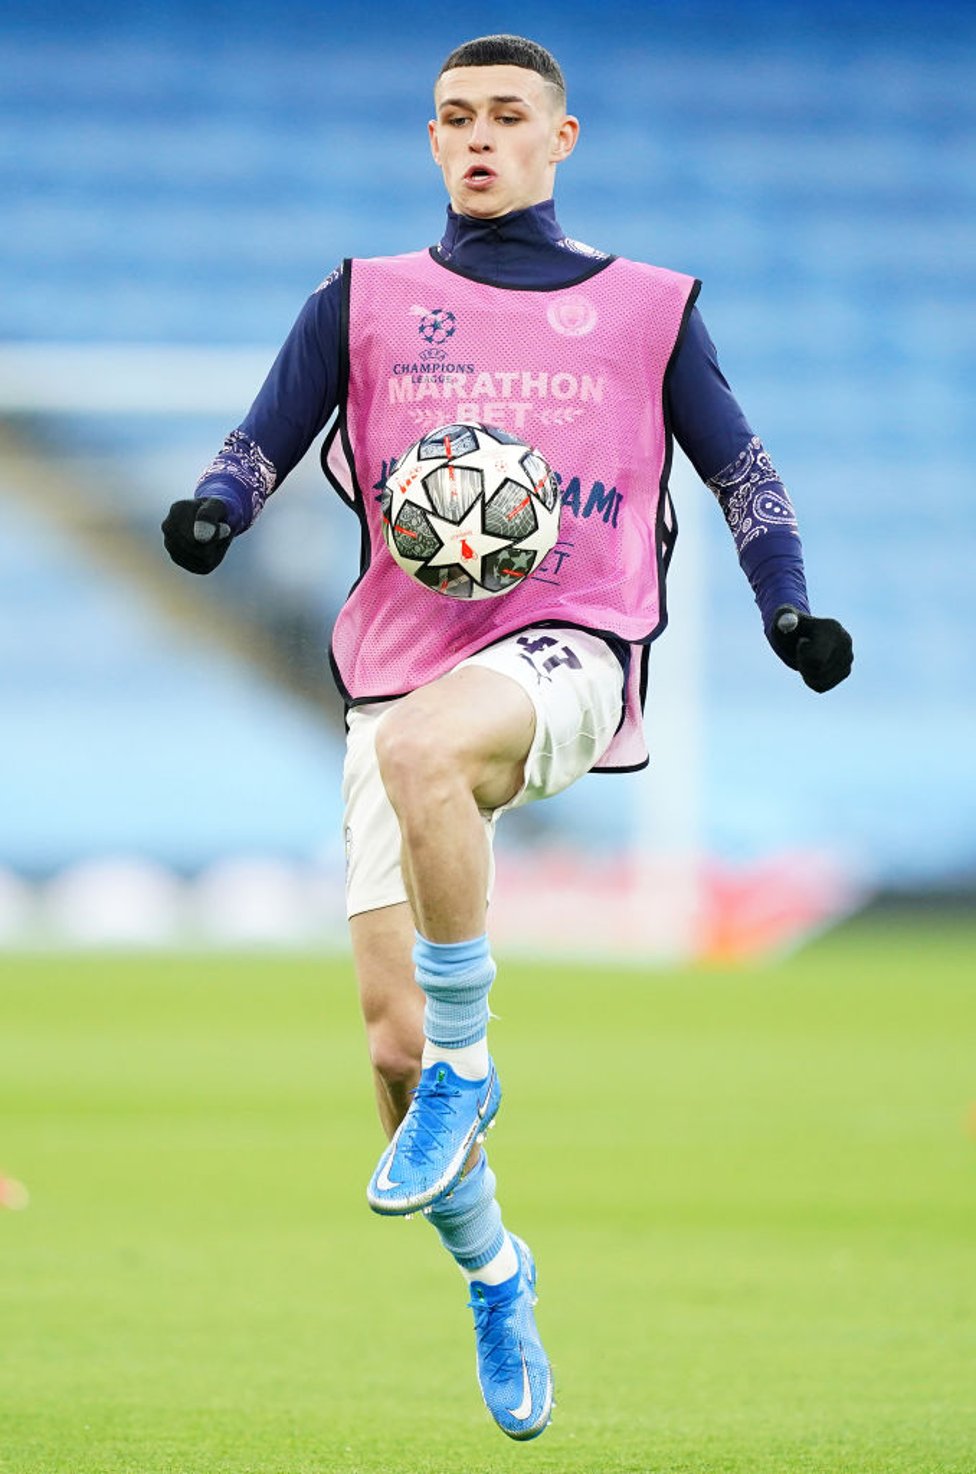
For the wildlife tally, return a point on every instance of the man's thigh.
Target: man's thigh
(575, 685)
(472, 727)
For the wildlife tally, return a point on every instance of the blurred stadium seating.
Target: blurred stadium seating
(182, 179)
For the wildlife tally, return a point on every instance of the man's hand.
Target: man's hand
(820, 649)
(196, 534)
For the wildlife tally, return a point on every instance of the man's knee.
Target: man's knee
(469, 732)
(415, 752)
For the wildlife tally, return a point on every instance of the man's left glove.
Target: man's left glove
(196, 534)
(820, 649)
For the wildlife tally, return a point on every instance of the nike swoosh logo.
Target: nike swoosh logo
(525, 1406)
(384, 1182)
(484, 1103)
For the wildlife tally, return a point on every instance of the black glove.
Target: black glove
(820, 649)
(196, 534)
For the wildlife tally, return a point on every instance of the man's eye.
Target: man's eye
(509, 118)
(456, 122)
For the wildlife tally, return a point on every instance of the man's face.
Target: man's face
(497, 138)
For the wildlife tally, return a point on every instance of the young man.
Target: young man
(593, 359)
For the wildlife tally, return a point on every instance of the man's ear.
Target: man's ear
(434, 145)
(565, 140)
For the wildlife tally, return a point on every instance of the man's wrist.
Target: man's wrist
(233, 497)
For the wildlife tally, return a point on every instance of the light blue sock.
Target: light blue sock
(469, 1222)
(456, 977)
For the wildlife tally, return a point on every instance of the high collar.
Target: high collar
(526, 248)
(532, 227)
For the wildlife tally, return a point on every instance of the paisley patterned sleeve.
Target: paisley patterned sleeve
(761, 519)
(241, 467)
(753, 499)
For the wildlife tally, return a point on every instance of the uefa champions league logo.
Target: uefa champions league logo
(572, 316)
(437, 325)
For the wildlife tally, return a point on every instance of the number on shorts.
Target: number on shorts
(565, 656)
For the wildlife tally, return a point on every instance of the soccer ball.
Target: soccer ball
(470, 511)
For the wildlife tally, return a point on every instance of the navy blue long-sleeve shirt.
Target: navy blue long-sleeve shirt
(524, 249)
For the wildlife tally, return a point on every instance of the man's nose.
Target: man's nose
(480, 138)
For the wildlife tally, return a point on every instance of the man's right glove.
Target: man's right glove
(196, 534)
(820, 649)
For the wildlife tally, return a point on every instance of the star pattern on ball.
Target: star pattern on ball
(540, 541)
(466, 542)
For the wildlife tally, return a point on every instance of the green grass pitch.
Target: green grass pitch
(751, 1193)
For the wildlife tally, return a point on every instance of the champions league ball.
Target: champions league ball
(470, 511)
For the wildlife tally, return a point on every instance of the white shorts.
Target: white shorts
(575, 683)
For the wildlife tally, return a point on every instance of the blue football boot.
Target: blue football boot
(513, 1369)
(426, 1157)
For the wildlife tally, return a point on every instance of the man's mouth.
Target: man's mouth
(479, 175)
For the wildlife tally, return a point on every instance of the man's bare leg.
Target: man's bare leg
(445, 752)
(443, 782)
(392, 1004)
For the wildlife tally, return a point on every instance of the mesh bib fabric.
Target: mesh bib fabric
(578, 373)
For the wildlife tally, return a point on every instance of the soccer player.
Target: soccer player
(458, 711)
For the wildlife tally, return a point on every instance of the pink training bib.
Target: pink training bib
(578, 372)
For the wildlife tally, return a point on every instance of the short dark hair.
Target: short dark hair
(515, 51)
